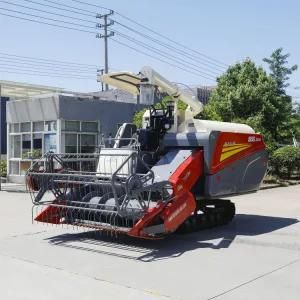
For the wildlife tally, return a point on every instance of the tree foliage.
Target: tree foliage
(286, 160)
(279, 69)
(247, 94)
(138, 116)
(3, 168)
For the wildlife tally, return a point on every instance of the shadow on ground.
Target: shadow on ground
(173, 246)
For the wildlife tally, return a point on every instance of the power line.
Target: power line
(47, 65)
(46, 18)
(85, 3)
(46, 23)
(52, 61)
(76, 29)
(174, 42)
(150, 48)
(33, 66)
(47, 12)
(41, 71)
(208, 60)
(170, 47)
(153, 31)
(179, 59)
(59, 8)
(10, 70)
(163, 54)
(157, 58)
(127, 27)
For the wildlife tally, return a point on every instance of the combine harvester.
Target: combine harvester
(168, 176)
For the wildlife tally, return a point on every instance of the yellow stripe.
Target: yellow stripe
(228, 154)
(232, 147)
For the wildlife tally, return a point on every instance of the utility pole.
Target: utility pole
(0, 133)
(105, 36)
(101, 71)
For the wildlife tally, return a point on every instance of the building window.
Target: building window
(15, 128)
(37, 151)
(87, 143)
(50, 142)
(38, 126)
(89, 126)
(26, 127)
(15, 146)
(72, 126)
(14, 168)
(71, 143)
(50, 126)
(26, 146)
(24, 166)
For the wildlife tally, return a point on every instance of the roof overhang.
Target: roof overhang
(19, 90)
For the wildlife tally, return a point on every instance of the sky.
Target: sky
(228, 31)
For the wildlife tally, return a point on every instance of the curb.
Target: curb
(277, 185)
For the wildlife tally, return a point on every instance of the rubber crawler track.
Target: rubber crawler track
(209, 214)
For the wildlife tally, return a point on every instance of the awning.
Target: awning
(19, 90)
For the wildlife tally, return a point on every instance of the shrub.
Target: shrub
(286, 160)
(3, 168)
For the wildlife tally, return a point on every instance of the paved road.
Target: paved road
(255, 257)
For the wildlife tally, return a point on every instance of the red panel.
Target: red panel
(249, 143)
(51, 214)
(187, 173)
(183, 203)
(183, 179)
(149, 217)
(178, 211)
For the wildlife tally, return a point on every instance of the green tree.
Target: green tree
(3, 168)
(247, 94)
(138, 116)
(280, 71)
(286, 160)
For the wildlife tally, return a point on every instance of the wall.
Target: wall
(3, 134)
(204, 94)
(37, 109)
(110, 113)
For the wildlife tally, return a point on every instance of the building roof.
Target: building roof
(19, 90)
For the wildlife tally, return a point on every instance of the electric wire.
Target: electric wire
(41, 71)
(61, 15)
(209, 60)
(73, 7)
(32, 66)
(166, 55)
(172, 48)
(46, 18)
(46, 23)
(51, 61)
(76, 29)
(153, 31)
(12, 71)
(179, 59)
(21, 61)
(76, 24)
(47, 12)
(159, 59)
(90, 4)
(174, 42)
(59, 8)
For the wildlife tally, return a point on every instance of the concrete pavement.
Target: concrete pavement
(257, 256)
